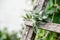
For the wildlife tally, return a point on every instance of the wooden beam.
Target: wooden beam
(27, 33)
(39, 4)
(48, 26)
(24, 34)
(30, 34)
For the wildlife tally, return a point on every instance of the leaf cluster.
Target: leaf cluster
(50, 14)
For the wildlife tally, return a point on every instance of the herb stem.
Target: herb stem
(52, 18)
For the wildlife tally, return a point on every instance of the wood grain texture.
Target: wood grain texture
(39, 4)
(27, 33)
(24, 34)
(48, 26)
(30, 34)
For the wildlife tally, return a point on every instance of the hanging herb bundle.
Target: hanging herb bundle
(50, 14)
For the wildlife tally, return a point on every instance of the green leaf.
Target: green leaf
(56, 18)
(49, 5)
(35, 7)
(51, 10)
(50, 36)
(58, 2)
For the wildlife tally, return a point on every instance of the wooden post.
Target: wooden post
(28, 33)
(48, 26)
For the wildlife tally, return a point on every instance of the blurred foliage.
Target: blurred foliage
(46, 35)
(32, 1)
(5, 35)
(51, 14)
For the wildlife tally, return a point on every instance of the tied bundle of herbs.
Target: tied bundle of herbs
(50, 14)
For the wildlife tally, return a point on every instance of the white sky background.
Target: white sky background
(11, 12)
